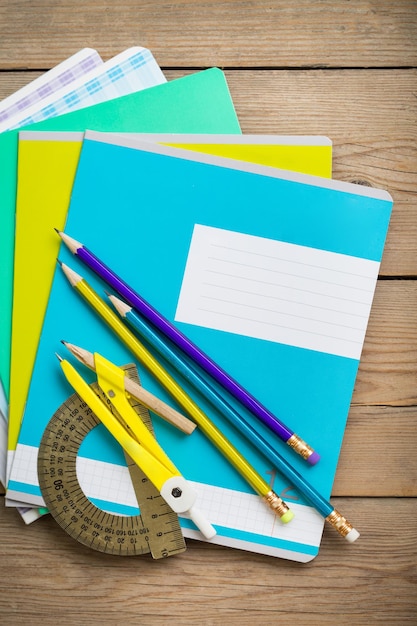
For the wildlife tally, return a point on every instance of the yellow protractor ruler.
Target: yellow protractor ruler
(155, 530)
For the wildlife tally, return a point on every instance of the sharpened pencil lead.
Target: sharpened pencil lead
(72, 276)
(72, 244)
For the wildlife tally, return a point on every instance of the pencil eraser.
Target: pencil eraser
(313, 458)
(352, 535)
(287, 517)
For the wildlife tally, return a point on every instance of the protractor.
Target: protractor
(155, 530)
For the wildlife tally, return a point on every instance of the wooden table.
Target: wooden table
(344, 69)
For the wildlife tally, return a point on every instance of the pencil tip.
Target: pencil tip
(58, 356)
(64, 342)
(121, 307)
(56, 230)
(59, 262)
(71, 275)
(72, 244)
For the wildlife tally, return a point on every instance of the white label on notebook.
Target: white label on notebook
(281, 292)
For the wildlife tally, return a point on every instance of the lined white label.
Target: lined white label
(277, 291)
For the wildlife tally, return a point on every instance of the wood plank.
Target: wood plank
(378, 453)
(229, 33)
(388, 368)
(50, 577)
(12, 81)
(375, 145)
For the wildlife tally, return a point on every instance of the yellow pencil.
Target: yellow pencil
(142, 449)
(203, 421)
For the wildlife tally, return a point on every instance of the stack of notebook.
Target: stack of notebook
(243, 243)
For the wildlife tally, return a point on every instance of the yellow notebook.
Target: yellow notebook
(46, 168)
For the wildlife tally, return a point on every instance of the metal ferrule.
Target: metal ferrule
(339, 522)
(276, 504)
(301, 447)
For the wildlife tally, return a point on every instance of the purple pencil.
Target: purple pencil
(198, 356)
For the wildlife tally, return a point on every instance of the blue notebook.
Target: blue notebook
(271, 273)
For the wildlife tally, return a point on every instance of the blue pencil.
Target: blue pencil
(191, 350)
(324, 507)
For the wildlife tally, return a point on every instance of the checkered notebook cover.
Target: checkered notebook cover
(77, 66)
(130, 71)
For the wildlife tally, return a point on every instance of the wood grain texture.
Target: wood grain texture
(345, 69)
(191, 33)
(51, 578)
(388, 368)
(378, 453)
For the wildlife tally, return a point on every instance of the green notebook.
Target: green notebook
(198, 103)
